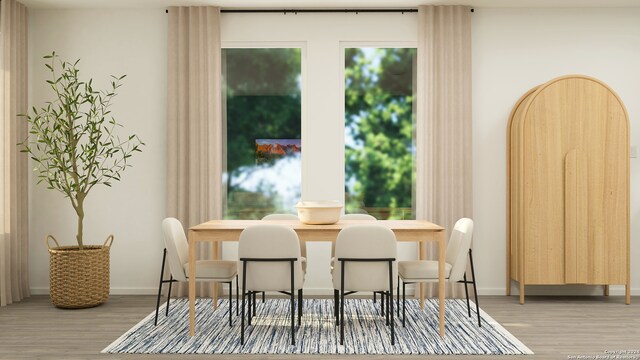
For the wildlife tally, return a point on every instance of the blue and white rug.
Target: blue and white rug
(365, 331)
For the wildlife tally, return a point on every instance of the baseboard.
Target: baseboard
(113, 291)
(154, 291)
(561, 290)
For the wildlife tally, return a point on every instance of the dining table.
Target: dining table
(216, 231)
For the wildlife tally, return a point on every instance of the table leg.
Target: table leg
(421, 256)
(442, 248)
(192, 283)
(215, 284)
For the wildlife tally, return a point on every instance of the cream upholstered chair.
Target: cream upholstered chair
(270, 261)
(458, 249)
(333, 248)
(177, 249)
(350, 217)
(365, 261)
(357, 217)
(303, 244)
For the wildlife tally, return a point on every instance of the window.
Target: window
(262, 99)
(379, 132)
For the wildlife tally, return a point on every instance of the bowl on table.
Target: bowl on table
(319, 212)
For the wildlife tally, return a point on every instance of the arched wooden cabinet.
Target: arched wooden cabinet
(568, 186)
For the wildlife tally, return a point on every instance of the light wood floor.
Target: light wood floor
(553, 327)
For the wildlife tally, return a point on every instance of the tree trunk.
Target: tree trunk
(80, 212)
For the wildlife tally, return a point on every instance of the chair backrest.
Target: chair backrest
(303, 244)
(365, 242)
(280, 217)
(270, 241)
(352, 217)
(357, 217)
(177, 247)
(458, 248)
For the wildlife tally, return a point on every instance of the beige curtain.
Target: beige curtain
(443, 189)
(194, 125)
(14, 180)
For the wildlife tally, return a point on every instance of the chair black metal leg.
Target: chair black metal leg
(466, 293)
(336, 303)
(390, 308)
(475, 290)
(237, 296)
(244, 286)
(263, 297)
(230, 303)
(342, 303)
(398, 297)
(249, 314)
(386, 314)
(293, 314)
(381, 303)
(300, 307)
(254, 303)
(169, 296)
(404, 302)
(164, 257)
(336, 295)
(374, 297)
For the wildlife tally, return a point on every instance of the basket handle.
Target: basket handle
(109, 240)
(46, 241)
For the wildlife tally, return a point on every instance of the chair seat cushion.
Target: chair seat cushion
(214, 269)
(421, 269)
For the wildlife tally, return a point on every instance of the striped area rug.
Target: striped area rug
(365, 331)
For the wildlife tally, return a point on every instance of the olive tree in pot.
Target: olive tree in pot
(74, 145)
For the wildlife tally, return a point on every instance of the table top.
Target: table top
(396, 225)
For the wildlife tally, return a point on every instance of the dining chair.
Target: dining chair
(365, 260)
(177, 249)
(270, 261)
(358, 216)
(458, 251)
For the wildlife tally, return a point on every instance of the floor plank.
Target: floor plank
(553, 327)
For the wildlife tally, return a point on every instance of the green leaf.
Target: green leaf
(72, 139)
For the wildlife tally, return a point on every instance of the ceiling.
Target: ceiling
(236, 4)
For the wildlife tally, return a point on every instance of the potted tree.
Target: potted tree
(74, 145)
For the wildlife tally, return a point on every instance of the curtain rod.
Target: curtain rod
(295, 11)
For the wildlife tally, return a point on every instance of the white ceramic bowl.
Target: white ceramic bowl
(319, 212)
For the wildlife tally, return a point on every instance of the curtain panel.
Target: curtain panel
(443, 163)
(14, 239)
(194, 122)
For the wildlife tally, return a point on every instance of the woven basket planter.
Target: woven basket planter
(78, 278)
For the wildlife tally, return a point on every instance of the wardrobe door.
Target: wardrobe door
(606, 142)
(547, 140)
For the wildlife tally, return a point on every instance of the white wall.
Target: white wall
(131, 42)
(513, 50)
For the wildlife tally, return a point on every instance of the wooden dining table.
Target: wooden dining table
(419, 231)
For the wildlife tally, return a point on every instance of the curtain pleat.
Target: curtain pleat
(444, 177)
(194, 122)
(14, 239)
